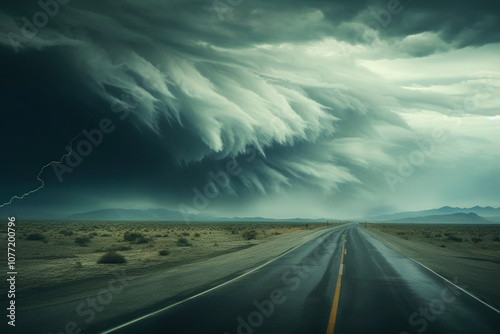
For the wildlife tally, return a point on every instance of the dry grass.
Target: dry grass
(50, 253)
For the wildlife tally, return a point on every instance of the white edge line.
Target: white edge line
(447, 280)
(204, 292)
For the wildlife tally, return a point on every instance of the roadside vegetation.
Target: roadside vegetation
(112, 257)
(56, 252)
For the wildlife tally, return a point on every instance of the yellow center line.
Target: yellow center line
(335, 306)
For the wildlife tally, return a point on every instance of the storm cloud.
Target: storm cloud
(332, 98)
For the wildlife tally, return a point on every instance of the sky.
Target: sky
(249, 108)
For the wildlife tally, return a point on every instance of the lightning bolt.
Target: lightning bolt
(38, 176)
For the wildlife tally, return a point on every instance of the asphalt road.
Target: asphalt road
(344, 281)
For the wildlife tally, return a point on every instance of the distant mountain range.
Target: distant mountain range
(169, 215)
(454, 218)
(128, 214)
(446, 214)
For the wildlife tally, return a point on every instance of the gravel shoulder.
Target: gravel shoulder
(477, 273)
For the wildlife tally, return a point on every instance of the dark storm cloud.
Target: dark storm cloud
(203, 85)
(460, 23)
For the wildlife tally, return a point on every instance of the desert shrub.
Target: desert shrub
(183, 242)
(438, 235)
(197, 235)
(82, 241)
(455, 238)
(115, 248)
(185, 234)
(447, 234)
(35, 236)
(136, 237)
(66, 233)
(496, 238)
(443, 246)
(105, 235)
(164, 252)
(112, 257)
(78, 265)
(131, 236)
(142, 240)
(476, 240)
(249, 235)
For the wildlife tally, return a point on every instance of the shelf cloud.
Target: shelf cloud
(331, 98)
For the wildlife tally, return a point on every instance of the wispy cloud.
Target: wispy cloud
(324, 109)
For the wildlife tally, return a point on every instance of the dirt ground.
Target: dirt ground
(468, 255)
(52, 253)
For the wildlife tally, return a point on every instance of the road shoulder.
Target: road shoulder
(478, 275)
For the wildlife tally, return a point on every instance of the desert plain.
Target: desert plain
(52, 253)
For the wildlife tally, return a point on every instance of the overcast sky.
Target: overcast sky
(250, 108)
